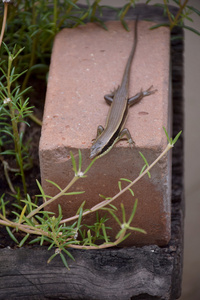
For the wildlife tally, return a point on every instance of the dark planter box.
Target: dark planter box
(149, 272)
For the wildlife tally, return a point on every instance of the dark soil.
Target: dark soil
(32, 134)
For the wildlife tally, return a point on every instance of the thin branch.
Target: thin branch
(179, 13)
(103, 246)
(35, 211)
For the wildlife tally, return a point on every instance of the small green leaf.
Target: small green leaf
(80, 160)
(123, 213)
(22, 214)
(104, 197)
(120, 185)
(114, 216)
(8, 152)
(74, 193)
(82, 205)
(11, 235)
(137, 229)
(194, 10)
(80, 218)
(52, 257)
(39, 68)
(168, 138)
(59, 210)
(144, 159)
(3, 206)
(55, 184)
(112, 206)
(35, 240)
(191, 29)
(30, 204)
(105, 233)
(131, 191)
(125, 25)
(143, 168)
(64, 260)
(90, 165)
(51, 245)
(41, 190)
(68, 253)
(89, 237)
(125, 179)
(73, 163)
(41, 240)
(133, 212)
(24, 240)
(176, 138)
(146, 163)
(159, 25)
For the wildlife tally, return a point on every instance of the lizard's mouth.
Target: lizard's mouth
(94, 151)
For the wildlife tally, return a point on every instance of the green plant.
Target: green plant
(34, 221)
(184, 12)
(13, 112)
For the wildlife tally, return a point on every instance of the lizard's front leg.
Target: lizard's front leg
(100, 129)
(135, 99)
(109, 97)
(126, 132)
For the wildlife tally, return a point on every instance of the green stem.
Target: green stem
(179, 13)
(128, 5)
(35, 211)
(35, 119)
(33, 51)
(24, 228)
(102, 246)
(94, 8)
(176, 19)
(18, 153)
(67, 13)
(32, 61)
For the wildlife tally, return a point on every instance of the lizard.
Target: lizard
(120, 103)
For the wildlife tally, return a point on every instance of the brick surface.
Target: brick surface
(87, 63)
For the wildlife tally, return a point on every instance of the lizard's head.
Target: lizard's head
(96, 149)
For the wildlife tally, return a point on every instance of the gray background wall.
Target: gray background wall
(191, 274)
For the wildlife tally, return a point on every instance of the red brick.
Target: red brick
(88, 62)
